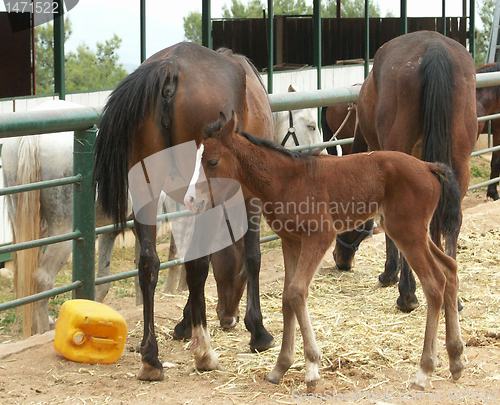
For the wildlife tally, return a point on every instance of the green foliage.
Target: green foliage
(483, 36)
(192, 27)
(253, 9)
(86, 70)
(349, 9)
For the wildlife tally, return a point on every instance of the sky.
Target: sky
(98, 20)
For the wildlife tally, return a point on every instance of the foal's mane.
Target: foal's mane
(273, 146)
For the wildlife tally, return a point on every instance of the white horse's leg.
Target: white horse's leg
(106, 242)
(52, 259)
(176, 275)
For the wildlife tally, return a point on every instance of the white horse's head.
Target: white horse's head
(301, 123)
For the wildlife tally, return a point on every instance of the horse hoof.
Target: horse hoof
(181, 331)
(407, 304)
(311, 386)
(262, 342)
(420, 381)
(460, 306)
(274, 377)
(493, 195)
(387, 281)
(456, 369)
(207, 362)
(150, 373)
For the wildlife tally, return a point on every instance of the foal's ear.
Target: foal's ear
(291, 89)
(231, 126)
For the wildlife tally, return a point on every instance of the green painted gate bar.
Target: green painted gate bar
(84, 214)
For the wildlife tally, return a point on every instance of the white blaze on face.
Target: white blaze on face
(190, 197)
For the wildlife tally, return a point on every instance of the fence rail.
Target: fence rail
(83, 121)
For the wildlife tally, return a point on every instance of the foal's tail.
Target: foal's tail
(146, 93)
(25, 217)
(448, 215)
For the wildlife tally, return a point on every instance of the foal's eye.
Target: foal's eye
(311, 127)
(213, 162)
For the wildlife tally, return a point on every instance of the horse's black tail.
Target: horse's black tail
(147, 92)
(448, 215)
(436, 71)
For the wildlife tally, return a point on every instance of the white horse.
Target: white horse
(297, 127)
(44, 213)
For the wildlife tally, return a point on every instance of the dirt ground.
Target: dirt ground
(370, 350)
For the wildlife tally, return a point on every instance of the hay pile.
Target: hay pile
(360, 332)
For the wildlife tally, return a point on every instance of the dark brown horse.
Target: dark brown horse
(419, 99)
(168, 101)
(307, 205)
(488, 102)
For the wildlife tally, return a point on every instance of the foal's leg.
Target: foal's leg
(149, 265)
(196, 276)
(454, 343)
(418, 253)
(105, 246)
(311, 253)
(285, 359)
(260, 339)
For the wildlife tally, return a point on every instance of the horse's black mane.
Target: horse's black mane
(273, 146)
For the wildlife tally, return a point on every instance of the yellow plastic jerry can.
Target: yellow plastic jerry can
(90, 332)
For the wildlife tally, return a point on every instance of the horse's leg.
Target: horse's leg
(285, 359)
(149, 265)
(137, 286)
(260, 339)
(196, 275)
(407, 300)
(391, 269)
(105, 246)
(230, 279)
(52, 259)
(418, 253)
(495, 164)
(454, 343)
(176, 275)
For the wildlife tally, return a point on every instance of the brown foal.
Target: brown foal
(341, 193)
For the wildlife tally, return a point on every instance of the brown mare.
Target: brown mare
(488, 102)
(419, 99)
(167, 101)
(339, 194)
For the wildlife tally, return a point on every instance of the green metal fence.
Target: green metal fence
(83, 122)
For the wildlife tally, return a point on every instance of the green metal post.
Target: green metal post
(404, 17)
(206, 24)
(270, 45)
(444, 17)
(143, 30)
(317, 40)
(84, 214)
(367, 39)
(59, 79)
(472, 28)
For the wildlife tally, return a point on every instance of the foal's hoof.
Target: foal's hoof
(261, 342)
(408, 303)
(150, 373)
(460, 306)
(456, 369)
(420, 381)
(182, 331)
(387, 280)
(207, 362)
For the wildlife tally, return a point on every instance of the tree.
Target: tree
(350, 9)
(85, 69)
(483, 36)
(192, 27)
